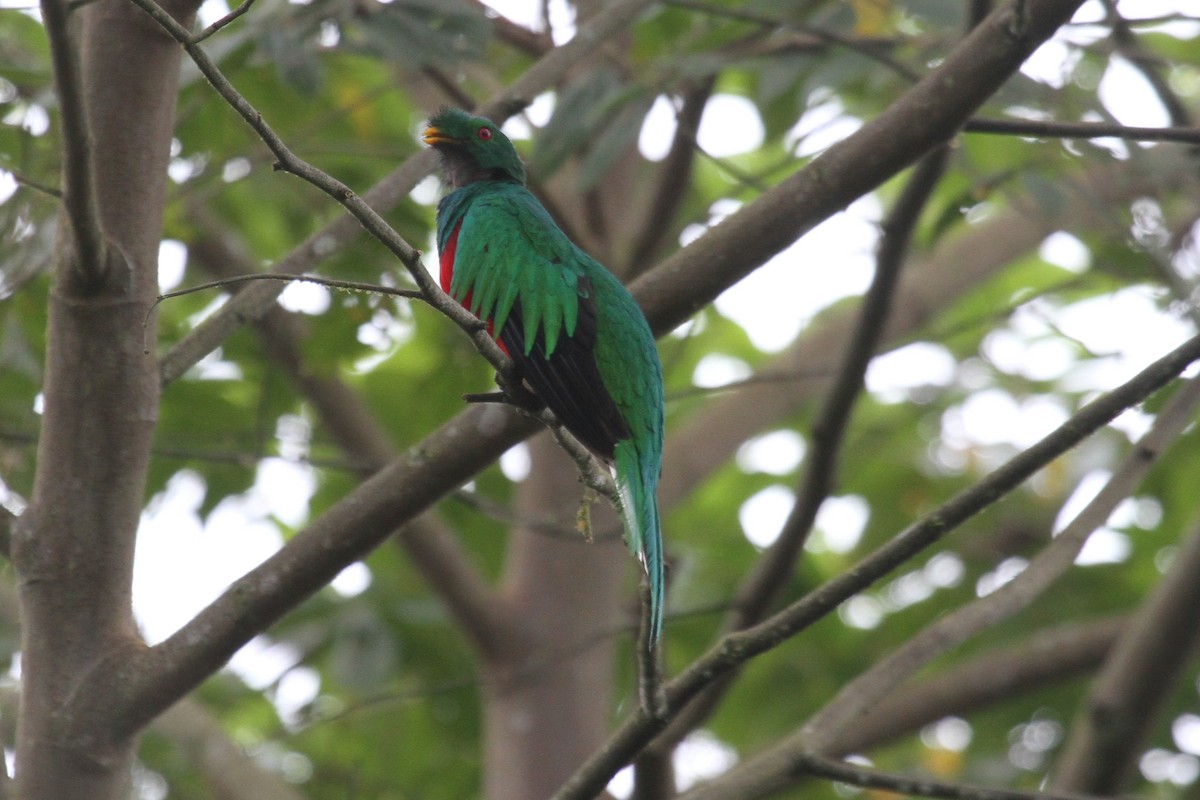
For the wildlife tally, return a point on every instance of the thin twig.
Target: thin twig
(543, 526)
(394, 187)
(1080, 130)
(222, 22)
(44, 188)
(868, 778)
(409, 256)
(592, 473)
(332, 283)
(869, 48)
(241, 458)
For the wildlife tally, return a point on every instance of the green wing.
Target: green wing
(509, 250)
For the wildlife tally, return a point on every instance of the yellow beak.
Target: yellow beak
(433, 136)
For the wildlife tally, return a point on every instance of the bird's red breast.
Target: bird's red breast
(446, 259)
(446, 277)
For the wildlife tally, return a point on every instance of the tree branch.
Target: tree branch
(779, 765)
(867, 778)
(225, 765)
(73, 548)
(926, 116)
(388, 192)
(79, 192)
(242, 8)
(673, 176)
(857, 696)
(960, 262)
(437, 555)
(1081, 130)
(993, 676)
(344, 534)
(772, 570)
(738, 647)
(828, 431)
(1140, 674)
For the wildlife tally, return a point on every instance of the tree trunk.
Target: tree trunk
(74, 547)
(550, 693)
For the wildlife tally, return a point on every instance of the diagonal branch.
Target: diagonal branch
(856, 699)
(439, 557)
(926, 116)
(673, 175)
(992, 676)
(772, 570)
(740, 646)
(858, 696)
(828, 431)
(253, 303)
(778, 765)
(350, 529)
(222, 22)
(893, 783)
(1141, 673)
(1082, 130)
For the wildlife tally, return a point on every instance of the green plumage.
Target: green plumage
(578, 337)
(508, 248)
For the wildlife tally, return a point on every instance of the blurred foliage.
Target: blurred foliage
(347, 85)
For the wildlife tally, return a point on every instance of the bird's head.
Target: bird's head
(472, 148)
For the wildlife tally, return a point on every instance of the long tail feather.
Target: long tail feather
(637, 482)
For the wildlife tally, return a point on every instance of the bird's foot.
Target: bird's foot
(518, 393)
(512, 395)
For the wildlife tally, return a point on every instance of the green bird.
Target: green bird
(575, 333)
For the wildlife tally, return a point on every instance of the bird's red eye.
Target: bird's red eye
(485, 134)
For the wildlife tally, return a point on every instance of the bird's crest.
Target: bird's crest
(472, 148)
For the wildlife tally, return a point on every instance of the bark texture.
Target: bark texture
(73, 549)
